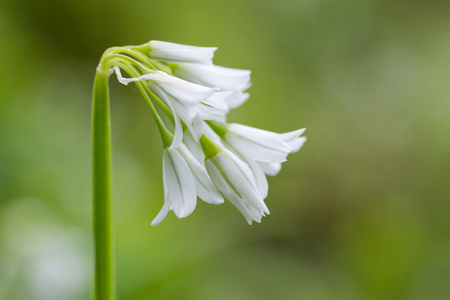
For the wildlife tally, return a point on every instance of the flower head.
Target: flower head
(204, 157)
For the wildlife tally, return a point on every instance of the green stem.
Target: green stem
(166, 135)
(104, 288)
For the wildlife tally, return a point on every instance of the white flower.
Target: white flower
(235, 180)
(172, 52)
(257, 144)
(213, 76)
(184, 179)
(221, 78)
(262, 150)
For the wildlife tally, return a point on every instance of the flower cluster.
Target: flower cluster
(204, 157)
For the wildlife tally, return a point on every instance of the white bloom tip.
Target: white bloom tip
(173, 52)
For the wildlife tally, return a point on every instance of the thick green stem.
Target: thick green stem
(104, 287)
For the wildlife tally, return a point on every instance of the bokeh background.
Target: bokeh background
(361, 212)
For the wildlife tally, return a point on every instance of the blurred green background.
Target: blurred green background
(361, 212)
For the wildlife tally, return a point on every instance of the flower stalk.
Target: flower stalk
(102, 202)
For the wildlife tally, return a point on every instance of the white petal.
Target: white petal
(236, 99)
(296, 144)
(181, 89)
(292, 135)
(240, 176)
(214, 107)
(186, 109)
(126, 81)
(236, 182)
(179, 185)
(178, 52)
(258, 144)
(184, 97)
(196, 127)
(271, 169)
(293, 139)
(194, 147)
(178, 135)
(213, 136)
(214, 76)
(206, 190)
(162, 214)
(245, 210)
(226, 190)
(260, 177)
(217, 100)
(244, 86)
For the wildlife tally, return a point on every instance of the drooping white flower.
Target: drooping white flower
(172, 52)
(213, 76)
(200, 94)
(221, 78)
(179, 187)
(235, 180)
(184, 179)
(257, 144)
(267, 149)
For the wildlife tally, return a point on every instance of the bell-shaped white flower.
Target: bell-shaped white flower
(262, 150)
(235, 180)
(172, 52)
(257, 144)
(179, 186)
(184, 179)
(221, 78)
(213, 76)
